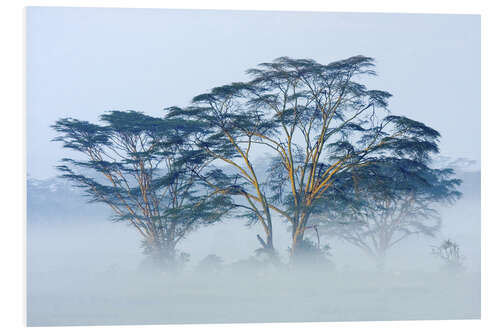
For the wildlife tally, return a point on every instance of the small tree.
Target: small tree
(141, 167)
(379, 206)
(449, 252)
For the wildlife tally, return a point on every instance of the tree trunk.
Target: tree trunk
(299, 228)
(161, 255)
(296, 249)
(380, 259)
(268, 247)
(266, 244)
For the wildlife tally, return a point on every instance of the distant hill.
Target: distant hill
(55, 201)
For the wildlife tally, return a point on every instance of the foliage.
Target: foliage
(449, 252)
(380, 205)
(311, 255)
(143, 168)
(210, 264)
(318, 120)
(338, 158)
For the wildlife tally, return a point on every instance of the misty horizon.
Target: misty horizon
(203, 166)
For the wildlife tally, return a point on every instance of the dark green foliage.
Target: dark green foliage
(145, 169)
(320, 123)
(337, 156)
(310, 255)
(377, 206)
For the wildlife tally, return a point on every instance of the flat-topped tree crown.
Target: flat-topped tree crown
(379, 205)
(144, 168)
(318, 121)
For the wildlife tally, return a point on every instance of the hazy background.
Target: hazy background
(82, 269)
(83, 61)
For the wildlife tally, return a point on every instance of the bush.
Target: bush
(309, 255)
(449, 252)
(210, 264)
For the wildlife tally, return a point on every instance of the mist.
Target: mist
(84, 269)
(91, 271)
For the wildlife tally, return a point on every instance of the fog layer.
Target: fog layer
(92, 272)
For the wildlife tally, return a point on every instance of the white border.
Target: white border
(13, 116)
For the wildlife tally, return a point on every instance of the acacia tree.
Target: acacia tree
(318, 120)
(140, 166)
(229, 139)
(378, 206)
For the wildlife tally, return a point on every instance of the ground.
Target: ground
(120, 298)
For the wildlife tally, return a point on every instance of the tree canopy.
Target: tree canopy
(378, 206)
(317, 120)
(143, 168)
(336, 156)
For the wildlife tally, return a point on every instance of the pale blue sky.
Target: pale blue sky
(83, 61)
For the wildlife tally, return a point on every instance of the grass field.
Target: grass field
(129, 297)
